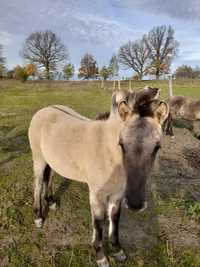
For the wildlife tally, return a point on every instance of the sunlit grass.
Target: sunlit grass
(65, 238)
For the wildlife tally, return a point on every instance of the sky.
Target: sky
(99, 26)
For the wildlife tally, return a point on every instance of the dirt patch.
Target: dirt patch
(179, 164)
(180, 232)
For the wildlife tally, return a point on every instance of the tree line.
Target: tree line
(43, 51)
(187, 72)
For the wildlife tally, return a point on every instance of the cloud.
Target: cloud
(5, 38)
(82, 20)
(97, 29)
(190, 51)
(183, 9)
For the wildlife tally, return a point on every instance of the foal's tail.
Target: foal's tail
(43, 195)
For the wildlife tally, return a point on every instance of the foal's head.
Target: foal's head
(140, 141)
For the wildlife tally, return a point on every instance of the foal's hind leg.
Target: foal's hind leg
(40, 205)
(168, 129)
(51, 200)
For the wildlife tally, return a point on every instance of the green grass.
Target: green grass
(64, 240)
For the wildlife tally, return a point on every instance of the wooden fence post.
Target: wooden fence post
(119, 85)
(170, 86)
(129, 85)
(114, 85)
(102, 84)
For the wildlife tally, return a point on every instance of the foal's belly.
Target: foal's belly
(63, 155)
(63, 164)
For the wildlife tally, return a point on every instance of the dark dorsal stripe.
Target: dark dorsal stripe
(66, 112)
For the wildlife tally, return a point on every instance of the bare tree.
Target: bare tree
(162, 48)
(88, 67)
(2, 63)
(2, 59)
(44, 49)
(135, 55)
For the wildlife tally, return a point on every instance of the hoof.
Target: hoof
(53, 206)
(39, 222)
(103, 262)
(120, 256)
(145, 207)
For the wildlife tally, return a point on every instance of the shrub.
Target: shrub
(21, 73)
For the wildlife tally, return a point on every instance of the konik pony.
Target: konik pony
(114, 157)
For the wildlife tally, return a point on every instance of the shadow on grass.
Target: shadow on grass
(61, 190)
(7, 160)
(192, 155)
(13, 146)
(192, 126)
(6, 129)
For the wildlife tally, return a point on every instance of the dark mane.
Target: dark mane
(103, 116)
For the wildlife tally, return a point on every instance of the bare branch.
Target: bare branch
(135, 55)
(162, 48)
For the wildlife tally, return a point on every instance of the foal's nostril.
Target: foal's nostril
(144, 207)
(125, 203)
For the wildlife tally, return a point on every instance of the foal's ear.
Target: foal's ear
(117, 97)
(124, 110)
(162, 111)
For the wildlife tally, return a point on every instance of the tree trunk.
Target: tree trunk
(140, 75)
(47, 72)
(157, 74)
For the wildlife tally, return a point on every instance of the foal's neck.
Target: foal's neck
(113, 127)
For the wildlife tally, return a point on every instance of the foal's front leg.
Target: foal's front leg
(114, 209)
(98, 210)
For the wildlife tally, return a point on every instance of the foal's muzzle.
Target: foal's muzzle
(139, 207)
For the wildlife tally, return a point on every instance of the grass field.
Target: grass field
(65, 238)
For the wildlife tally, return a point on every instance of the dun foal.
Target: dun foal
(186, 110)
(182, 107)
(114, 157)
